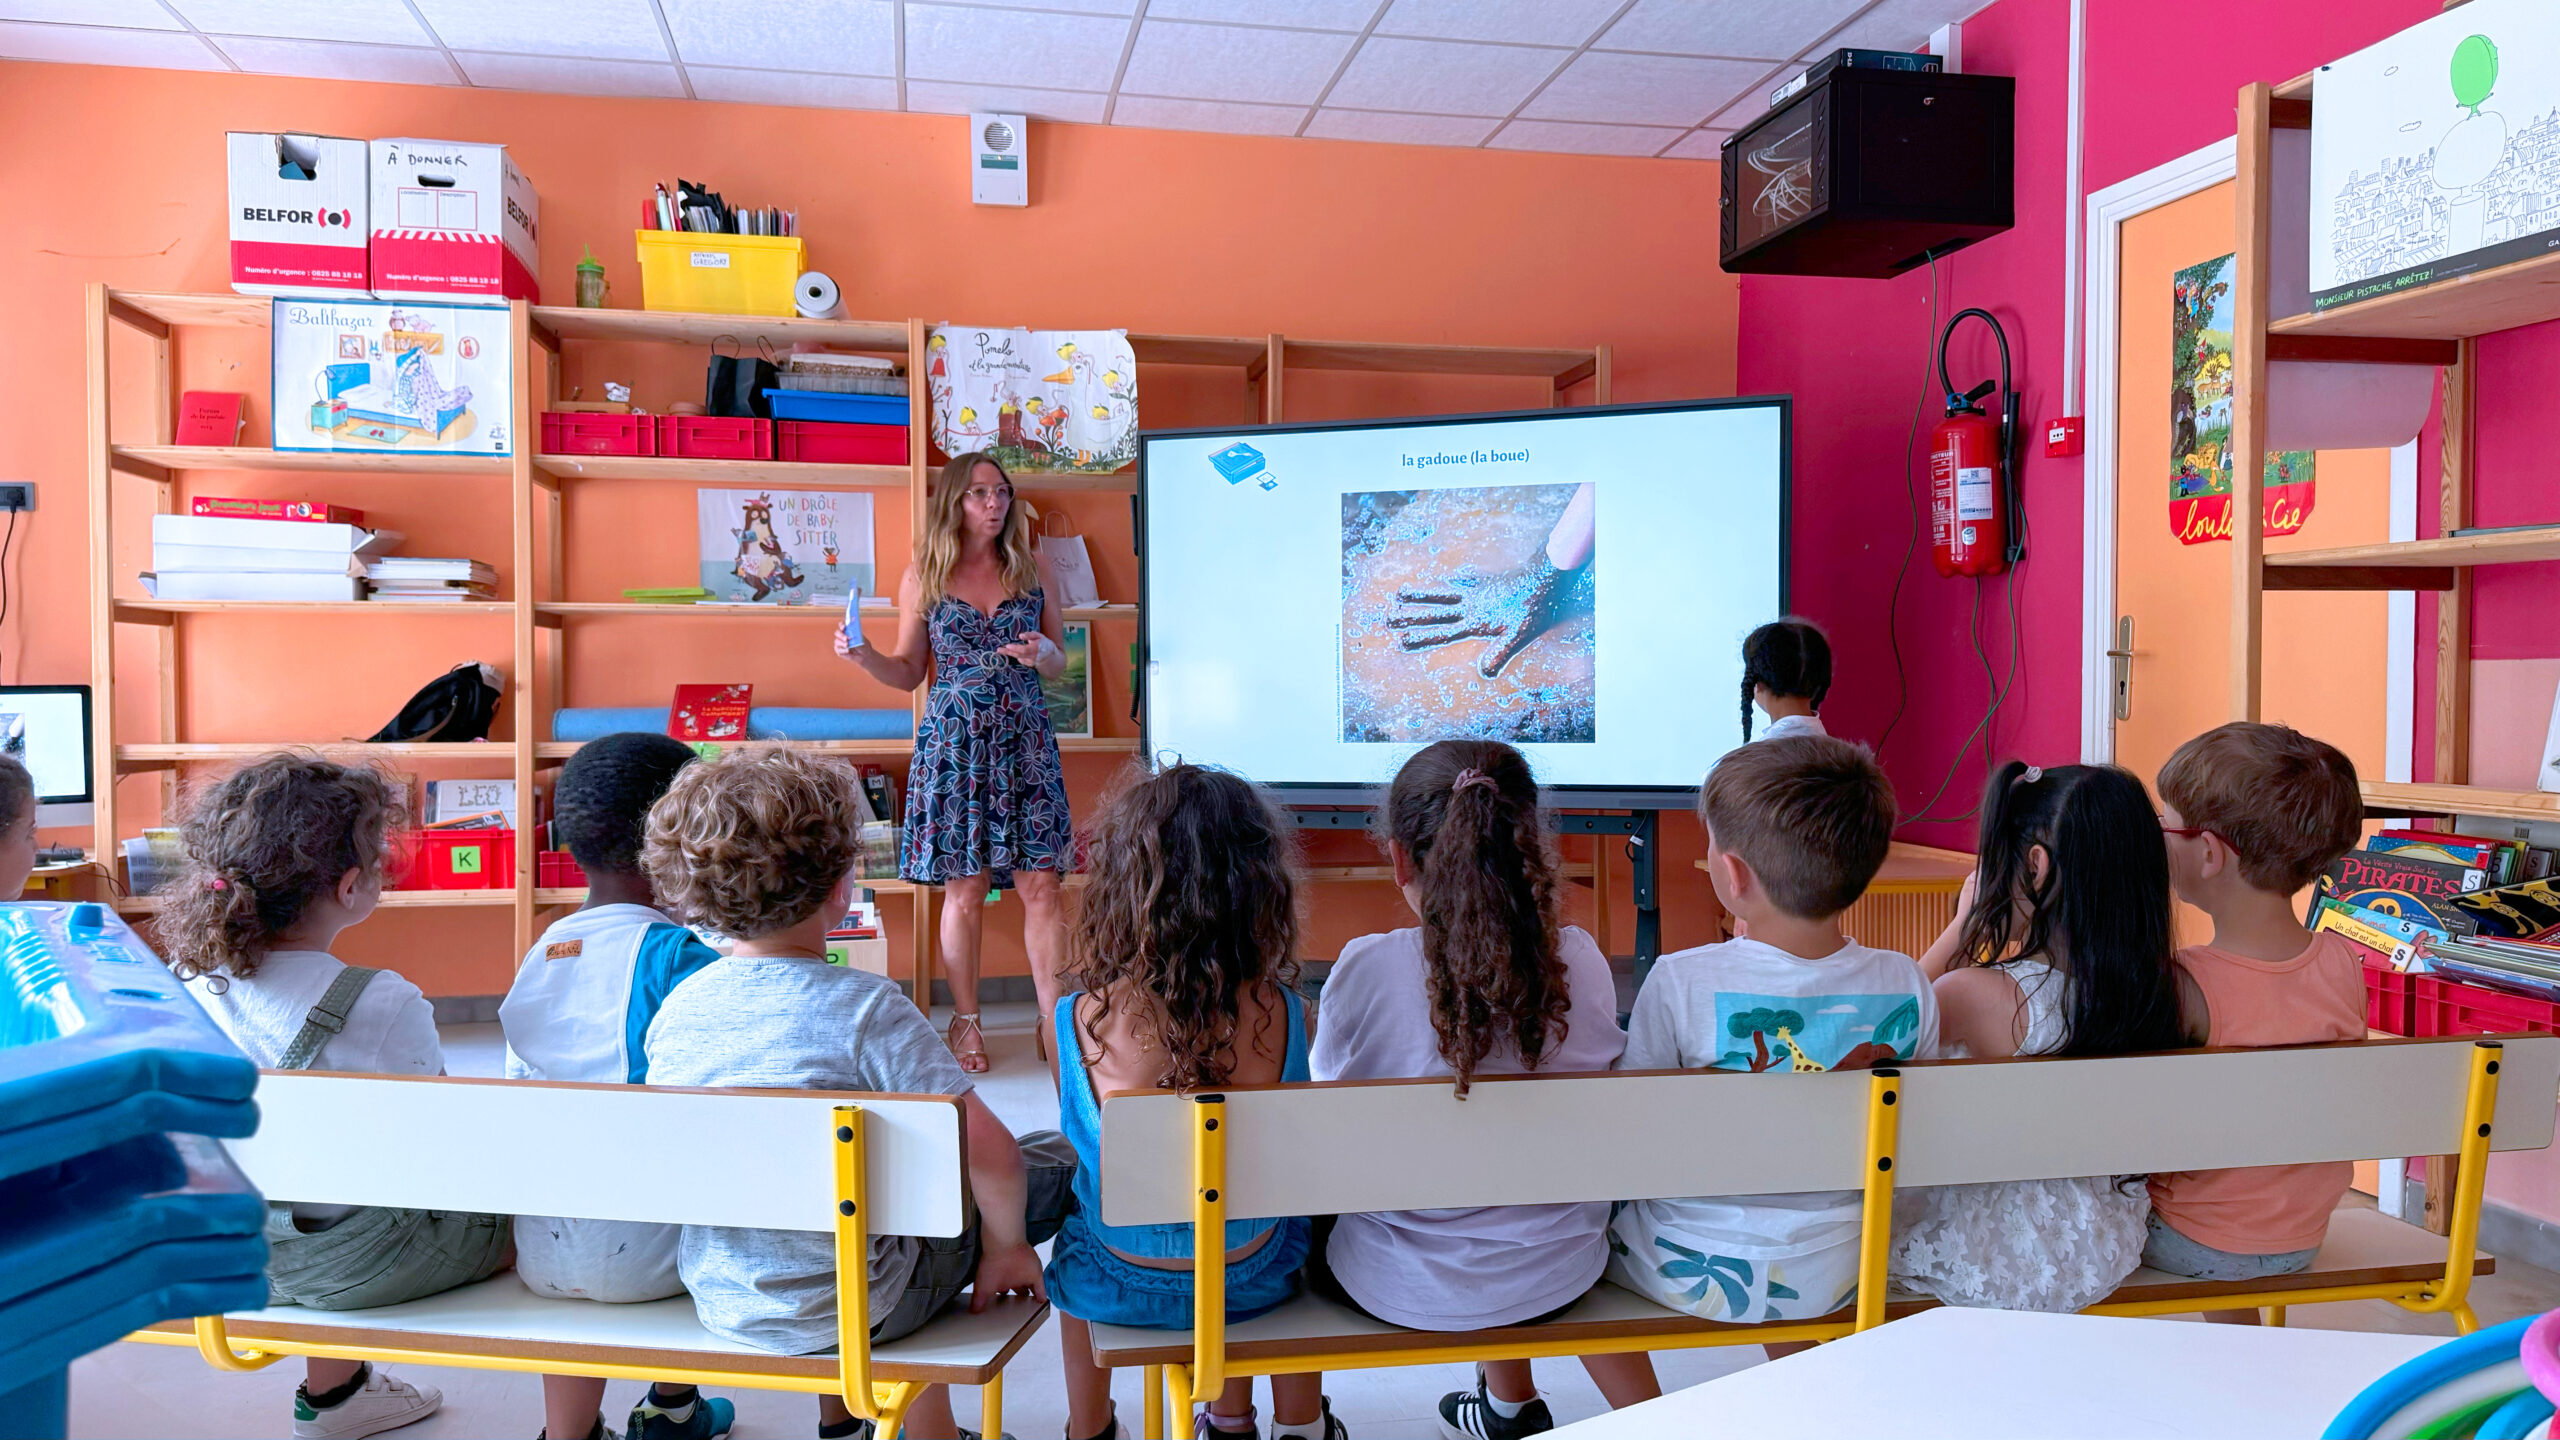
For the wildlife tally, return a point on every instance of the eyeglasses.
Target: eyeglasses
(980, 495)
(2185, 832)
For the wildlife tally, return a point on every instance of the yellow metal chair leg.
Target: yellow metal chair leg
(213, 1342)
(1178, 1380)
(2464, 1319)
(1155, 1403)
(991, 1406)
(893, 1407)
(1875, 1228)
(2275, 1316)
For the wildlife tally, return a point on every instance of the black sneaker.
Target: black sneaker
(1333, 1429)
(1469, 1415)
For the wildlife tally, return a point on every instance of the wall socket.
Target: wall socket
(17, 494)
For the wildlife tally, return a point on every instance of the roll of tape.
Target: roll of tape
(817, 297)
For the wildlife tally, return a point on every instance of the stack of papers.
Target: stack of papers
(415, 579)
(210, 557)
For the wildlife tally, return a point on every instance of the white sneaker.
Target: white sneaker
(386, 1402)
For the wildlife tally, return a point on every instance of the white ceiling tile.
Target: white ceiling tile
(595, 29)
(121, 14)
(782, 87)
(1643, 89)
(1700, 145)
(90, 45)
(1308, 14)
(1901, 24)
(1751, 29)
(370, 22)
(1013, 47)
(559, 75)
(1442, 77)
(937, 98)
(1583, 139)
(331, 60)
(837, 37)
(1227, 62)
(1750, 105)
(1519, 22)
(1224, 116)
(1090, 7)
(1331, 124)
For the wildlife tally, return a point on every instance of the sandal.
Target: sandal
(971, 1052)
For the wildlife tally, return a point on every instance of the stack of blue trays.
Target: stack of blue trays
(116, 1210)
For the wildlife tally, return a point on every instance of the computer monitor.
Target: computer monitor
(46, 729)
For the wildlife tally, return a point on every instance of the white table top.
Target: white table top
(1989, 1374)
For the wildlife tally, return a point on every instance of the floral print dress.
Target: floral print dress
(986, 792)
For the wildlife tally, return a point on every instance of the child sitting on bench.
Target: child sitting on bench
(1180, 979)
(760, 846)
(283, 855)
(582, 1000)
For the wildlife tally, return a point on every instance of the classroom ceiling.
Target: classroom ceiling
(1599, 77)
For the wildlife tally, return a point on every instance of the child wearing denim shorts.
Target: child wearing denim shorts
(1180, 979)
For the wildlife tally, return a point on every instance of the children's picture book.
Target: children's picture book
(2498, 857)
(212, 417)
(1070, 695)
(784, 547)
(314, 512)
(2512, 911)
(2434, 880)
(710, 712)
(2391, 938)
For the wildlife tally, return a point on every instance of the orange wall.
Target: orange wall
(1148, 230)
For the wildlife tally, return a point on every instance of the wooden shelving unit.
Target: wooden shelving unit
(2435, 324)
(542, 617)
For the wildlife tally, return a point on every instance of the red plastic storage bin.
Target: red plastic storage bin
(458, 860)
(2390, 999)
(828, 442)
(583, 432)
(715, 437)
(2455, 1007)
(558, 869)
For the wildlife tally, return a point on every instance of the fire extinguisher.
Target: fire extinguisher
(1973, 470)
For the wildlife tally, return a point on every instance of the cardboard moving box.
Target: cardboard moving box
(451, 220)
(298, 214)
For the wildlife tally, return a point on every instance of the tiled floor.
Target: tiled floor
(132, 1391)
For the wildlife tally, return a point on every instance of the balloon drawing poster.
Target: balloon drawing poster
(2436, 153)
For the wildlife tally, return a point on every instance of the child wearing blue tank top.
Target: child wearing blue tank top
(1179, 978)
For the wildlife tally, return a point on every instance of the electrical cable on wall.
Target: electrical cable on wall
(5, 537)
(1911, 546)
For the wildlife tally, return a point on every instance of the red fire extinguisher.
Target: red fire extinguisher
(1973, 471)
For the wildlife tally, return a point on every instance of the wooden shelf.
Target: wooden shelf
(163, 757)
(2384, 797)
(792, 473)
(218, 308)
(570, 609)
(2408, 564)
(1431, 359)
(2524, 293)
(391, 900)
(681, 327)
(145, 459)
(158, 612)
(1198, 349)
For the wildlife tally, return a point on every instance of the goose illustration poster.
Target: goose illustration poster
(1037, 400)
(2436, 153)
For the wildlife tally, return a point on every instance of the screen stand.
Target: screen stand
(1639, 826)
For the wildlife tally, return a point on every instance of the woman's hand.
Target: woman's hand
(1037, 651)
(850, 647)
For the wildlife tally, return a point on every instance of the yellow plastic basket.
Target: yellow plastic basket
(720, 274)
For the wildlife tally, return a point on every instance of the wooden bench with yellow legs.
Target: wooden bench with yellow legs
(852, 1166)
(1256, 1152)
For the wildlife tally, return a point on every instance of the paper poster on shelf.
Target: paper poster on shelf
(784, 547)
(2436, 153)
(1054, 400)
(1070, 696)
(391, 375)
(2200, 419)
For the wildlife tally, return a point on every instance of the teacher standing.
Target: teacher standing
(986, 796)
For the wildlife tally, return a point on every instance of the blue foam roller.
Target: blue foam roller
(764, 722)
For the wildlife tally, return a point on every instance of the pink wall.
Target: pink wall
(2161, 80)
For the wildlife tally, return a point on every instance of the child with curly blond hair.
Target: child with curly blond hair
(759, 845)
(284, 855)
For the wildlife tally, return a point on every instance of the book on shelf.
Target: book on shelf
(253, 585)
(710, 712)
(175, 559)
(212, 417)
(667, 595)
(427, 567)
(309, 511)
(449, 801)
(432, 592)
(2372, 870)
(2512, 912)
(2502, 859)
(270, 534)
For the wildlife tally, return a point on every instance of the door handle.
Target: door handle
(2120, 662)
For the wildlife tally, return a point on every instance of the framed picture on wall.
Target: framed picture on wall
(1070, 696)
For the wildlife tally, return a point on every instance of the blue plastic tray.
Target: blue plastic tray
(70, 1219)
(99, 1043)
(828, 405)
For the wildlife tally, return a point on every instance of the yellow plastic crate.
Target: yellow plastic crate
(720, 274)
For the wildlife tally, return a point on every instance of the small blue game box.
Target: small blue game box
(1238, 462)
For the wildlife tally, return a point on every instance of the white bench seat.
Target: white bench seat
(499, 1316)
(2364, 1247)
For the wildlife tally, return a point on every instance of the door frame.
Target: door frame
(2109, 210)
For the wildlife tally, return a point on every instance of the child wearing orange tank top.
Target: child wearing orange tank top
(2252, 814)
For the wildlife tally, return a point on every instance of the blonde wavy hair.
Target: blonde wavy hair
(938, 543)
(752, 842)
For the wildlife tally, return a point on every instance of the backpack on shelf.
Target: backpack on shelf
(454, 707)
